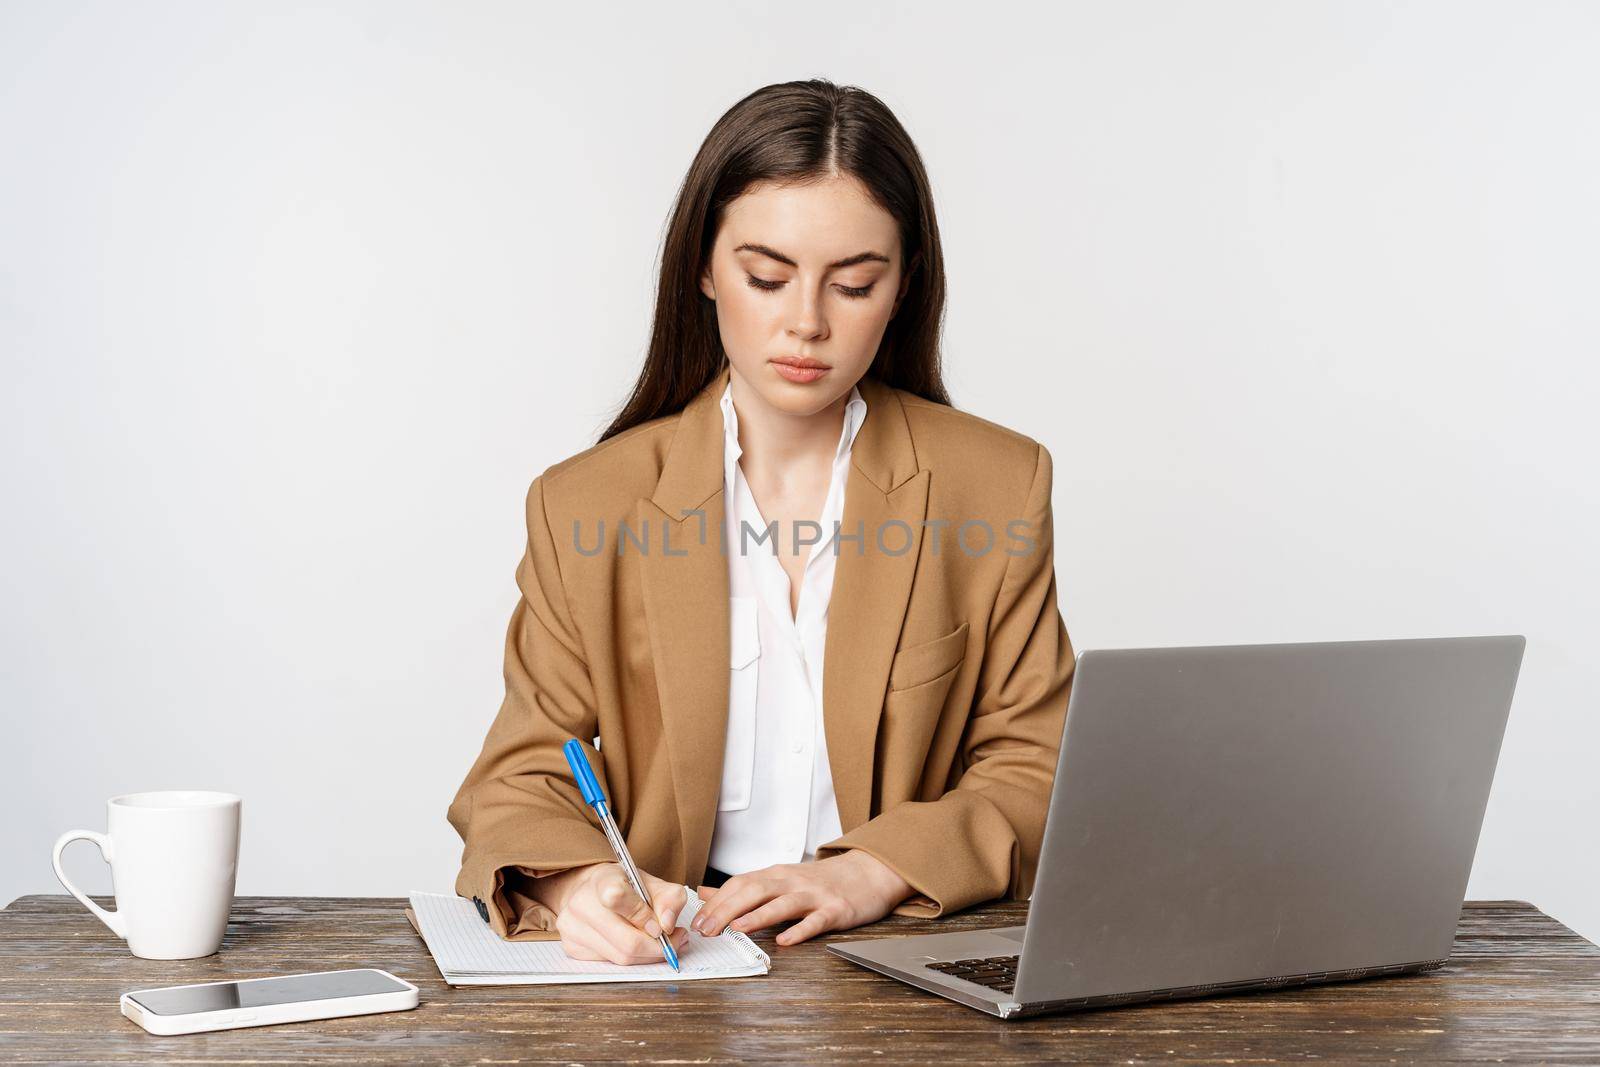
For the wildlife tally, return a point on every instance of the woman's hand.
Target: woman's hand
(836, 893)
(600, 917)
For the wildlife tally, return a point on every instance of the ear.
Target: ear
(905, 283)
(706, 287)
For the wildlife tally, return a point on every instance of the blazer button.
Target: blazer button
(483, 909)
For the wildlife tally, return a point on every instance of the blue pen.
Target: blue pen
(589, 786)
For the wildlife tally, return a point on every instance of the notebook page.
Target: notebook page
(469, 952)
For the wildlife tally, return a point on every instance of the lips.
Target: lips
(798, 369)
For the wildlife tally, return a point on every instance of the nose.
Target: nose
(808, 323)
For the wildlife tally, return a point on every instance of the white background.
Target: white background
(295, 303)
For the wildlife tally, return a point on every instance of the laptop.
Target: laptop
(1234, 818)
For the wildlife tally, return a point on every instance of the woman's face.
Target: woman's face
(807, 273)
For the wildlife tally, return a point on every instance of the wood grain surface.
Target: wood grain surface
(1520, 987)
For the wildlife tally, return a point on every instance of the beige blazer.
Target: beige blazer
(946, 675)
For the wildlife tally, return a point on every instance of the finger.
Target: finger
(617, 938)
(679, 940)
(591, 931)
(733, 901)
(708, 896)
(667, 899)
(778, 909)
(710, 900)
(581, 941)
(670, 900)
(812, 925)
(582, 945)
(620, 897)
(578, 940)
(628, 942)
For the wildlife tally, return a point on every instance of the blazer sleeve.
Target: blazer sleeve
(518, 812)
(981, 839)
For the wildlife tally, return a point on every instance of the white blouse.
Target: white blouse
(776, 804)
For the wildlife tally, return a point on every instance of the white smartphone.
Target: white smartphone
(289, 998)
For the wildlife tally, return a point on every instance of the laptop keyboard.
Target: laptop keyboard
(996, 972)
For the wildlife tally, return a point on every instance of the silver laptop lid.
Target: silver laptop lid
(1245, 812)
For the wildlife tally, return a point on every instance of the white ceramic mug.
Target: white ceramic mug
(173, 855)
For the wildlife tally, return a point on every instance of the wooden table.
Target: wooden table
(1519, 987)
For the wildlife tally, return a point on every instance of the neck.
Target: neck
(772, 441)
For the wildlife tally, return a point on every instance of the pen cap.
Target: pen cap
(588, 785)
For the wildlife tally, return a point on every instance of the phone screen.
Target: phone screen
(260, 992)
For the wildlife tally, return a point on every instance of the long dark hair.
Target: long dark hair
(791, 132)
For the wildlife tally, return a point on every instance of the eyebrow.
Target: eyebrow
(848, 261)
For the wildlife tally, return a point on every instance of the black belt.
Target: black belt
(714, 878)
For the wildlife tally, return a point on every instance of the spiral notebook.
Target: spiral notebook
(467, 951)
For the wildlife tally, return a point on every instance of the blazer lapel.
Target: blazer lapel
(886, 500)
(684, 578)
(685, 583)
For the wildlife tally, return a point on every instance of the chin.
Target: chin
(793, 401)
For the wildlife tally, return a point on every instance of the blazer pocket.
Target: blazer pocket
(744, 666)
(924, 662)
(919, 683)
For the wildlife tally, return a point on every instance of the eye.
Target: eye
(765, 285)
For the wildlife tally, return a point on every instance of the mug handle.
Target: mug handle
(112, 919)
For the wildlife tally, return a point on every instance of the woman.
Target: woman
(804, 610)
